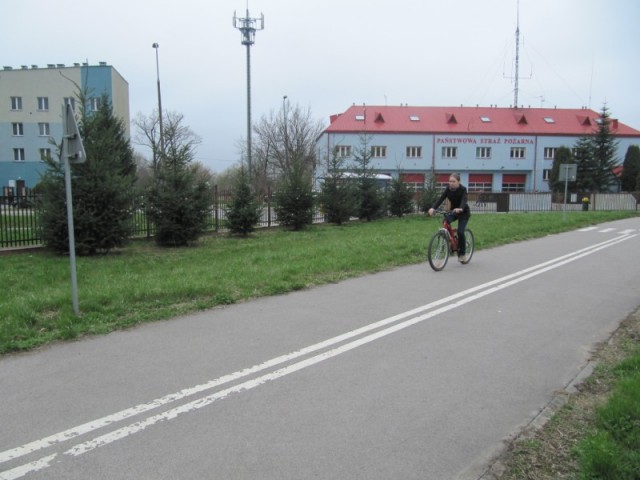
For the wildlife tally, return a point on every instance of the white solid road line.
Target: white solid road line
(448, 302)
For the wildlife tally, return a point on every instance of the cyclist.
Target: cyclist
(460, 211)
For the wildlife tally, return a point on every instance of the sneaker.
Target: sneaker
(462, 258)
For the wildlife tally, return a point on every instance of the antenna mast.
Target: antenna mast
(515, 96)
(248, 27)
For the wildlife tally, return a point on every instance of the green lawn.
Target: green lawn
(143, 283)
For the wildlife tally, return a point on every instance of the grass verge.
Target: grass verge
(143, 282)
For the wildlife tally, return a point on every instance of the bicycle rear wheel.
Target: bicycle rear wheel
(469, 245)
(438, 251)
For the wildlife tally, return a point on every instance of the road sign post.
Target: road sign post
(568, 172)
(72, 151)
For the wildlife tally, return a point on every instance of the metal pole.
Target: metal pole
(72, 239)
(566, 183)
(156, 46)
(249, 109)
(286, 139)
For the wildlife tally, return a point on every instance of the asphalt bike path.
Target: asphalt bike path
(402, 374)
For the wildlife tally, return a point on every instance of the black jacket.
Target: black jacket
(458, 199)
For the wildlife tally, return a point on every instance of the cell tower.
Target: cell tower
(248, 27)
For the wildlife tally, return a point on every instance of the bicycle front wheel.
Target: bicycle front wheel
(438, 251)
(469, 245)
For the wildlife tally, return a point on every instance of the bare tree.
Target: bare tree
(283, 140)
(180, 141)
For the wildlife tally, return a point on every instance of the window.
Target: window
(70, 101)
(360, 118)
(485, 119)
(344, 151)
(95, 104)
(414, 118)
(17, 129)
(549, 120)
(480, 186)
(513, 187)
(449, 152)
(16, 103)
(378, 152)
(18, 154)
(45, 153)
(414, 152)
(44, 130)
(549, 153)
(43, 103)
(483, 152)
(518, 152)
(546, 174)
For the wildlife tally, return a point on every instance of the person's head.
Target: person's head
(454, 181)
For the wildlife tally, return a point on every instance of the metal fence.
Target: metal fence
(548, 202)
(20, 226)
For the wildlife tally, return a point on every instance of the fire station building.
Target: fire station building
(494, 149)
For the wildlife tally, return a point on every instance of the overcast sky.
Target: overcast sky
(329, 54)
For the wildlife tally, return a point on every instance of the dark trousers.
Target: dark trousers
(462, 225)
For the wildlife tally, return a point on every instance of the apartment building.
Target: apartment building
(31, 101)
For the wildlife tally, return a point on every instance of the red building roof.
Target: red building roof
(472, 120)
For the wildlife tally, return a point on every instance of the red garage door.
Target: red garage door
(514, 182)
(412, 177)
(480, 182)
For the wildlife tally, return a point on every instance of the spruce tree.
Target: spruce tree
(102, 187)
(562, 156)
(604, 147)
(370, 196)
(243, 211)
(586, 178)
(179, 198)
(430, 193)
(400, 198)
(631, 169)
(294, 197)
(338, 197)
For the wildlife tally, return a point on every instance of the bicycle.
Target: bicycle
(445, 242)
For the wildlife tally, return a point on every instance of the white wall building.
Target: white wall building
(494, 149)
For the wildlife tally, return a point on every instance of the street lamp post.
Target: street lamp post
(156, 46)
(286, 140)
